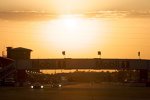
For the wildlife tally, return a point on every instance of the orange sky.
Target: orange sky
(73, 5)
(120, 33)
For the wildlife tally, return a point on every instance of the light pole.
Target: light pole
(139, 54)
(64, 54)
(99, 53)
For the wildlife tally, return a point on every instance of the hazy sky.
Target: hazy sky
(74, 5)
(119, 33)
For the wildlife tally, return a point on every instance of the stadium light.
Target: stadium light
(64, 53)
(139, 54)
(99, 53)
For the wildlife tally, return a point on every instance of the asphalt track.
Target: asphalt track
(76, 92)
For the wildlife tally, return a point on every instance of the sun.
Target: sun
(69, 32)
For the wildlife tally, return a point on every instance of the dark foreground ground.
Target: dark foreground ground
(77, 92)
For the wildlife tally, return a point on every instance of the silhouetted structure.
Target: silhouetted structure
(7, 70)
(23, 62)
(18, 53)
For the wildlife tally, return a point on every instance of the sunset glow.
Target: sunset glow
(72, 32)
(118, 28)
(74, 49)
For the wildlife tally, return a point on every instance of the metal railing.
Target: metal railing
(7, 70)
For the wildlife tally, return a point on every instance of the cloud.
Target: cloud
(119, 14)
(42, 16)
(26, 15)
